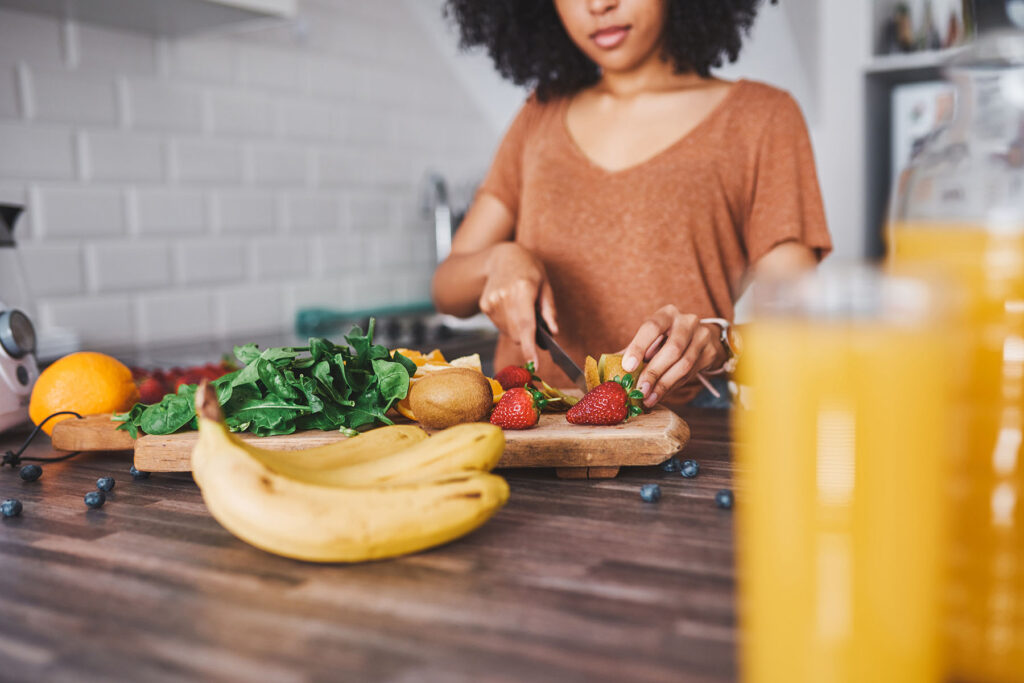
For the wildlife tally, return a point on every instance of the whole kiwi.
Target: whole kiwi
(450, 397)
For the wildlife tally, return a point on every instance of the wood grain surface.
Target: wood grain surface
(643, 440)
(574, 580)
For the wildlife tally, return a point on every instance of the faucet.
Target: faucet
(436, 203)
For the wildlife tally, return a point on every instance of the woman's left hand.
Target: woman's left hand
(676, 347)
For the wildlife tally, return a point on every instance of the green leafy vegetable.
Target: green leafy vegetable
(284, 389)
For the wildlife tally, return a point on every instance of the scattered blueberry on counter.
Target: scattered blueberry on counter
(689, 469)
(10, 507)
(650, 493)
(30, 472)
(105, 483)
(723, 499)
(670, 465)
(137, 474)
(95, 499)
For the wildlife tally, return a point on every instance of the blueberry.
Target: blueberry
(105, 483)
(723, 499)
(137, 474)
(31, 472)
(689, 469)
(95, 499)
(650, 493)
(670, 465)
(10, 507)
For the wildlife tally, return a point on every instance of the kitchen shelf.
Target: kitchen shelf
(169, 18)
(911, 61)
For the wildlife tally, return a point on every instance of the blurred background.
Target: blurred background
(198, 170)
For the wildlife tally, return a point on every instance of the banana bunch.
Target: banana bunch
(388, 492)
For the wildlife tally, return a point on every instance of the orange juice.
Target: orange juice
(986, 554)
(840, 510)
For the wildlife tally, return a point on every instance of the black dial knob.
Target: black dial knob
(17, 336)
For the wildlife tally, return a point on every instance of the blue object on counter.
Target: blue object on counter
(322, 322)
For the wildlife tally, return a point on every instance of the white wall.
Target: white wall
(182, 190)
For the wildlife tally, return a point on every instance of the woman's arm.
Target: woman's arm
(488, 272)
(676, 346)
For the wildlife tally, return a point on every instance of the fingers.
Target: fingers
(699, 355)
(677, 340)
(512, 311)
(646, 337)
(547, 307)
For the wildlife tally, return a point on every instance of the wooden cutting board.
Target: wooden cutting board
(576, 451)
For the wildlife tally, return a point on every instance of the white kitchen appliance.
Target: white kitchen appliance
(18, 369)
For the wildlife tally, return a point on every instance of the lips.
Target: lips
(610, 37)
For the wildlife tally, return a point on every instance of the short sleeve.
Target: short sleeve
(786, 201)
(505, 177)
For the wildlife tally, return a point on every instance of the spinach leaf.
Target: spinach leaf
(407, 363)
(247, 354)
(392, 380)
(274, 380)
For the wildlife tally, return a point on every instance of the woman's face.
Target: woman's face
(618, 35)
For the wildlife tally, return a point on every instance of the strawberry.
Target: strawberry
(608, 403)
(151, 390)
(515, 376)
(518, 408)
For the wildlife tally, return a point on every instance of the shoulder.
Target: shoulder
(765, 105)
(536, 113)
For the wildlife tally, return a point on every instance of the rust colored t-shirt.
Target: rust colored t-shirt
(682, 227)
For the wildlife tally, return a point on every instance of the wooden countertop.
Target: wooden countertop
(573, 580)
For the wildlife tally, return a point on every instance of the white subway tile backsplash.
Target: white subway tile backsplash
(252, 309)
(335, 78)
(341, 254)
(29, 37)
(310, 212)
(283, 165)
(209, 60)
(105, 321)
(114, 155)
(72, 97)
(271, 68)
(202, 261)
(280, 258)
(82, 211)
(202, 160)
(304, 120)
(52, 269)
(236, 112)
(176, 316)
(31, 152)
(159, 105)
(9, 92)
(362, 126)
(246, 211)
(369, 212)
(115, 51)
(183, 189)
(170, 211)
(128, 266)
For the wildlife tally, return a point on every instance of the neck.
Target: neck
(653, 74)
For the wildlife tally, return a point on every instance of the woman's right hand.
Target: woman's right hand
(516, 287)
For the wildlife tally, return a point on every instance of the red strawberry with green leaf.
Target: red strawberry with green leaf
(515, 376)
(518, 408)
(608, 403)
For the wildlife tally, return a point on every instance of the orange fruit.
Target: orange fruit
(86, 382)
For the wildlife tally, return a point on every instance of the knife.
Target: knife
(547, 342)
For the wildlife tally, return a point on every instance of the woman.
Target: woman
(634, 194)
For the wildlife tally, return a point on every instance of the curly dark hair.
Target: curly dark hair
(530, 47)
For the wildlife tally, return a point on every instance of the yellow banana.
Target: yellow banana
(333, 524)
(462, 448)
(376, 443)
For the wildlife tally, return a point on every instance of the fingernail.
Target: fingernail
(644, 388)
(651, 400)
(629, 363)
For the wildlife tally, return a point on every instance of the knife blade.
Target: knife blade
(546, 341)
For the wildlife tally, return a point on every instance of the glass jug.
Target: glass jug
(959, 208)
